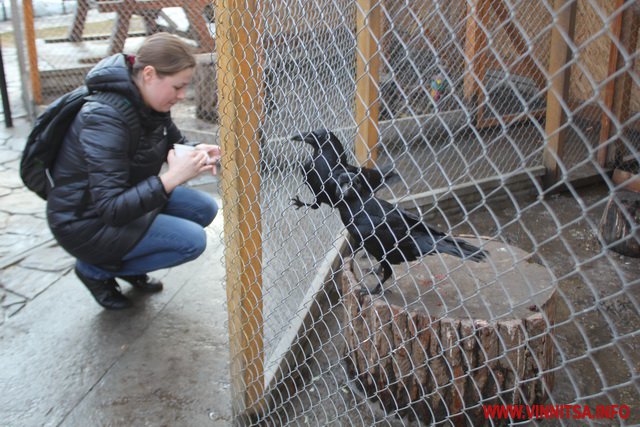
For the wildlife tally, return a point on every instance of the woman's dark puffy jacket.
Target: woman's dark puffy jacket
(109, 194)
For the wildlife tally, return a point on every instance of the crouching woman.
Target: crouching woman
(110, 207)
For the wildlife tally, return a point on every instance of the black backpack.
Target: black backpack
(45, 139)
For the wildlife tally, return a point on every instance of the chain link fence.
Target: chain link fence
(511, 125)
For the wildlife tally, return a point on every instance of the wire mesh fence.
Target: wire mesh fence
(510, 128)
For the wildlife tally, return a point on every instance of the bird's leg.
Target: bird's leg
(374, 270)
(364, 290)
(296, 200)
(385, 267)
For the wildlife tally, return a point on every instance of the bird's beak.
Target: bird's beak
(298, 137)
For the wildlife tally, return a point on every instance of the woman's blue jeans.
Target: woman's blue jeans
(176, 236)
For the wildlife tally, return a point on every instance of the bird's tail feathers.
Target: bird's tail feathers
(461, 249)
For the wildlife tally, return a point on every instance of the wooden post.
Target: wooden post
(27, 7)
(121, 28)
(482, 14)
(198, 25)
(559, 76)
(475, 45)
(79, 19)
(520, 44)
(618, 91)
(368, 30)
(605, 129)
(239, 83)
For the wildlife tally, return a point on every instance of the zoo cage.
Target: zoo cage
(512, 125)
(486, 110)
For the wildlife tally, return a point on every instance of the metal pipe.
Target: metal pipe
(17, 32)
(6, 108)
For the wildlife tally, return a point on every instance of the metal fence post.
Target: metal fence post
(27, 100)
(6, 107)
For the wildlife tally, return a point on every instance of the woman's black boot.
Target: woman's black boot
(106, 292)
(143, 282)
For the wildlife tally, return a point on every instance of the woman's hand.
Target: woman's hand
(183, 168)
(214, 152)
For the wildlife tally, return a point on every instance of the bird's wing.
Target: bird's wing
(412, 221)
(320, 180)
(375, 177)
(390, 226)
(428, 239)
(415, 237)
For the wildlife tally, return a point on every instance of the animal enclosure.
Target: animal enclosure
(505, 122)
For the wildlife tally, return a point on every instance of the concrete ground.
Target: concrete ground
(68, 362)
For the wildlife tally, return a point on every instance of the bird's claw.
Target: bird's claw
(297, 202)
(378, 290)
(364, 291)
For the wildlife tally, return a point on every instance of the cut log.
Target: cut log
(620, 223)
(449, 335)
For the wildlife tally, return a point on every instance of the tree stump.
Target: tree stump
(452, 334)
(619, 224)
(206, 87)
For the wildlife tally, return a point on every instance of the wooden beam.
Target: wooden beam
(559, 77)
(120, 31)
(240, 107)
(369, 33)
(198, 25)
(475, 47)
(617, 93)
(520, 44)
(79, 21)
(148, 10)
(30, 33)
(607, 98)
(509, 119)
(486, 13)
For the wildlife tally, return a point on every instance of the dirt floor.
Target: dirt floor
(597, 347)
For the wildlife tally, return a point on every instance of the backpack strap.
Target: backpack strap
(119, 102)
(126, 108)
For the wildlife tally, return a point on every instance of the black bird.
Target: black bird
(329, 160)
(390, 234)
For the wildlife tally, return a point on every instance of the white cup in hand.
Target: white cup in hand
(182, 150)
